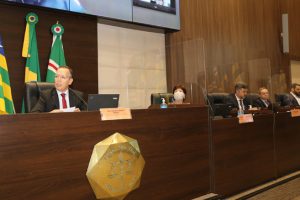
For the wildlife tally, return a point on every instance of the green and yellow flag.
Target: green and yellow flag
(6, 101)
(30, 50)
(57, 56)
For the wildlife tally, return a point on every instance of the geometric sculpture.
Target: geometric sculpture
(115, 167)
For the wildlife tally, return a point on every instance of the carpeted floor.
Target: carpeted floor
(287, 191)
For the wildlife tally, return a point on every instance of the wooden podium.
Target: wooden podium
(45, 156)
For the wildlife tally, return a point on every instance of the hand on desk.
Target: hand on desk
(65, 110)
(56, 111)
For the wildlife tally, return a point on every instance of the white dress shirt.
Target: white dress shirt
(240, 103)
(60, 98)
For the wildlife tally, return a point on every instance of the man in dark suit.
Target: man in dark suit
(61, 97)
(263, 101)
(238, 100)
(293, 99)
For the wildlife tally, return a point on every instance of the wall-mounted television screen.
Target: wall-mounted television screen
(57, 4)
(168, 6)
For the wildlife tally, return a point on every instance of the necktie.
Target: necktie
(241, 104)
(64, 102)
(266, 103)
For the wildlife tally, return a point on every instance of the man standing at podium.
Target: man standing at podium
(61, 98)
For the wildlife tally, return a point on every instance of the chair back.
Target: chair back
(217, 98)
(156, 98)
(252, 97)
(32, 93)
(280, 97)
(217, 103)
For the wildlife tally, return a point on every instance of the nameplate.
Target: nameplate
(295, 112)
(246, 118)
(115, 113)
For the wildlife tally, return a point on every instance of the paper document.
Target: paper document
(72, 109)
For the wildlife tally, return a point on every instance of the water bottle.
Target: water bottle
(240, 112)
(163, 104)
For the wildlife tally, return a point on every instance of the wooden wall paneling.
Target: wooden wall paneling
(293, 7)
(234, 33)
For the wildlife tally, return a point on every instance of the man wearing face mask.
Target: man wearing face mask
(179, 93)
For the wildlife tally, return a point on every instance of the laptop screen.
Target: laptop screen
(97, 101)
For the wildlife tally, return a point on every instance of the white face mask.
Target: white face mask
(179, 96)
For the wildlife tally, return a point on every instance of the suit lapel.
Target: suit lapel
(235, 101)
(263, 105)
(71, 99)
(55, 101)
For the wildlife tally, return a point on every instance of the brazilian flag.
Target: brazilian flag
(6, 101)
(30, 51)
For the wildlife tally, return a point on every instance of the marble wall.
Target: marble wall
(131, 63)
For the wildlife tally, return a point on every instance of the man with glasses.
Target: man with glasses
(61, 97)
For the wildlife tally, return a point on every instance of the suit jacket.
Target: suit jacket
(49, 101)
(231, 100)
(259, 103)
(290, 100)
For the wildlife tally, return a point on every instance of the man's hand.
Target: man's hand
(56, 111)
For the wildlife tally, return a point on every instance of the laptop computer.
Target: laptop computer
(97, 101)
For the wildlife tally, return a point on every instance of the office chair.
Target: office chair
(252, 97)
(280, 97)
(156, 98)
(32, 93)
(217, 103)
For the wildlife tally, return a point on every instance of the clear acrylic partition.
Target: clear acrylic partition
(133, 65)
(279, 82)
(224, 71)
(139, 63)
(186, 63)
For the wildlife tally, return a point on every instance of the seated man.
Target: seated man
(294, 97)
(264, 99)
(238, 99)
(61, 96)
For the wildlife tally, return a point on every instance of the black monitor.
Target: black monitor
(97, 101)
(168, 6)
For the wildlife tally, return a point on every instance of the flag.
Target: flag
(30, 51)
(57, 56)
(6, 101)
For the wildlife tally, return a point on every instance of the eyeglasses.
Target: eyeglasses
(62, 77)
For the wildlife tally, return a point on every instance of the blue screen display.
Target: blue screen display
(93, 6)
(69, 5)
(168, 6)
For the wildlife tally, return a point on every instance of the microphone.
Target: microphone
(81, 99)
